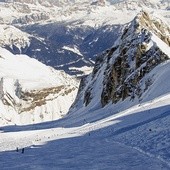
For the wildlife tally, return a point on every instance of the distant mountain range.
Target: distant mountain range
(68, 37)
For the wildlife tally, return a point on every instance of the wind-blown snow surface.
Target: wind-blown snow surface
(31, 92)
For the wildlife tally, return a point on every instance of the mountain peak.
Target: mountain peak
(143, 45)
(122, 72)
(144, 20)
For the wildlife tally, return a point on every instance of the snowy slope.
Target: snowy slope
(32, 92)
(136, 138)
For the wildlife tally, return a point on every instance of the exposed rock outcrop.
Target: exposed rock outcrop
(32, 18)
(121, 72)
(137, 56)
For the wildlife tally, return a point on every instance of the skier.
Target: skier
(22, 150)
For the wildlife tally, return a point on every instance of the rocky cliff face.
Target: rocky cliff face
(137, 56)
(122, 72)
(21, 106)
(31, 18)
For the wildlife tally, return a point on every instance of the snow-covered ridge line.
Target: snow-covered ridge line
(162, 45)
(74, 50)
(11, 36)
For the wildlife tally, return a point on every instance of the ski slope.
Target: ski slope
(137, 138)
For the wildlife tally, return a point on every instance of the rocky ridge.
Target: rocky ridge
(120, 73)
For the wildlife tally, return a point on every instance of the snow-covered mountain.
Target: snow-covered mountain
(132, 70)
(31, 92)
(120, 119)
(68, 35)
(13, 38)
(31, 11)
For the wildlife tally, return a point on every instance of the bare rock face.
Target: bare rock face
(121, 72)
(31, 18)
(136, 57)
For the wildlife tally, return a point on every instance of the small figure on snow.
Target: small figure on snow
(22, 150)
